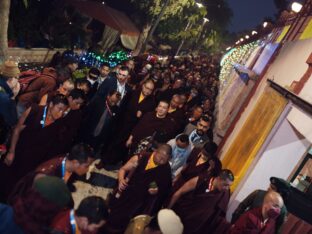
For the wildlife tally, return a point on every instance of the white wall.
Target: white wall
(279, 159)
(306, 92)
(290, 65)
(264, 57)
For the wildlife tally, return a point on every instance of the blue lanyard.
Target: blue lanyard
(72, 221)
(63, 168)
(42, 122)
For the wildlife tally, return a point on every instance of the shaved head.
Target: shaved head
(165, 148)
(162, 154)
(273, 197)
(175, 101)
(272, 205)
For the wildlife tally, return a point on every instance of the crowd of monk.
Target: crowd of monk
(153, 121)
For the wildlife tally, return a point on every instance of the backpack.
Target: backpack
(27, 77)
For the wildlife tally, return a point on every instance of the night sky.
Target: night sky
(250, 13)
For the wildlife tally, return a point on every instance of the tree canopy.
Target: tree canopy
(210, 34)
(51, 22)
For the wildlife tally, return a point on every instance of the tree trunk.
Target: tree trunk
(4, 19)
(151, 32)
(141, 39)
(189, 25)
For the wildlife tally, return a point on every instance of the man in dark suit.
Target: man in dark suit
(98, 118)
(119, 83)
(93, 77)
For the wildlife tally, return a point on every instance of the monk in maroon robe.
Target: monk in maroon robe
(151, 123)
(177, 114)
(90, 215)
(140, 103)
(68, 167)
(144, 182)
(199, 161)
(72, 120)
(260, 220)
(201, 203)
(34, 141)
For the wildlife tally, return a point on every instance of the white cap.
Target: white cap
(148, 66)
(169, 222)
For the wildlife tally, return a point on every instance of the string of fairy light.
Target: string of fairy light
(233, 56)
(92, 59)
(85, 59)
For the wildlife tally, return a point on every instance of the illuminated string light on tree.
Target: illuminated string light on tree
(92, 59)
(235, 55)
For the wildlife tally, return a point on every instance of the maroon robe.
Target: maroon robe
(250, 223)
(35, 145)
(34, 213)
(203, 211)
(52, 167)
(136, 199)
(191, 170)
(61, 224)
(71, 123)
(179, 119)
(130, 116)
(150, 124)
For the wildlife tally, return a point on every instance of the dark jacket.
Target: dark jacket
(7, 104)
(91, 117)
(109, 84)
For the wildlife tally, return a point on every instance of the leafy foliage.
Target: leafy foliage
(199, 35)
(149, 10)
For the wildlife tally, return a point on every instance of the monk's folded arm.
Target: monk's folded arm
(190, 185)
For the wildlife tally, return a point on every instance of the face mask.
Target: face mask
(178, 150)
(273, 213)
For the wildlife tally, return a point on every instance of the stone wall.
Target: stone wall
(36, 55)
